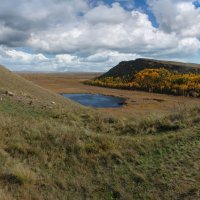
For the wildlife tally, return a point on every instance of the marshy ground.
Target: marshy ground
(137, 103)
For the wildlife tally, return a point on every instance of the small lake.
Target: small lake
(96, 100)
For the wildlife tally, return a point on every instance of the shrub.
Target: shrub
(155, 80)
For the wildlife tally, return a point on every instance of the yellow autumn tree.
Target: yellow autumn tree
(155, 80)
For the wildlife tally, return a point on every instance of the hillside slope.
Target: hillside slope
(65, 151)
(20, 87)
(165, 77)
(128, 68)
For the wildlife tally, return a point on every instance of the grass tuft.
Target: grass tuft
(21, 176)
(5, 196)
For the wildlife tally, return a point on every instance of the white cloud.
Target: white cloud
(179, 16)
(23, 57)
(102, 61)
(107, 14)
(189, 45)
(80, 36)
(129, 4)
(65, 58)
(133, 35)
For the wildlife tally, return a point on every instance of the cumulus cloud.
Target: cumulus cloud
(135, 34)
(107, 14)
(100, 61)
(80, 35)
(129, 4)
(179, 16)
(27, 17)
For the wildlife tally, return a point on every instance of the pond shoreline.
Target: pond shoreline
(96, 100)
(137, 103)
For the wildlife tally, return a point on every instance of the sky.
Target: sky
(93, 35)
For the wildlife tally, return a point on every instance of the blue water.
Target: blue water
(96, 100)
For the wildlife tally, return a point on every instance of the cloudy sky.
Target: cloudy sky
(92, 35)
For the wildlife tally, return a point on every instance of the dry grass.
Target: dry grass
(137, 103)
(23, 175)
(71, 152)
(87, 157)
(4, 195)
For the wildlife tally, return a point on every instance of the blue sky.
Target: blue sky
(136, 4)
(197, 4)
(92, 35)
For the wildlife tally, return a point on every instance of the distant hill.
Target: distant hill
(166, 77)
(128, 68)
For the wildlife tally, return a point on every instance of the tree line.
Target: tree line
(155, 80)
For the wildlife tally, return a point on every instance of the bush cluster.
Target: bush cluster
(155, 80)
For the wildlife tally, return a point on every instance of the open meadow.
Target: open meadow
(53, 148)
(137, 102)
(100, 100)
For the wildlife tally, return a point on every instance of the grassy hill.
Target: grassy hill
(164, 77)
(24, 89)
(52, 148)
(129, 68)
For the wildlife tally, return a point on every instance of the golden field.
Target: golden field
(137, 103)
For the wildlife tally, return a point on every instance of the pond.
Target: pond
(96, 100)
